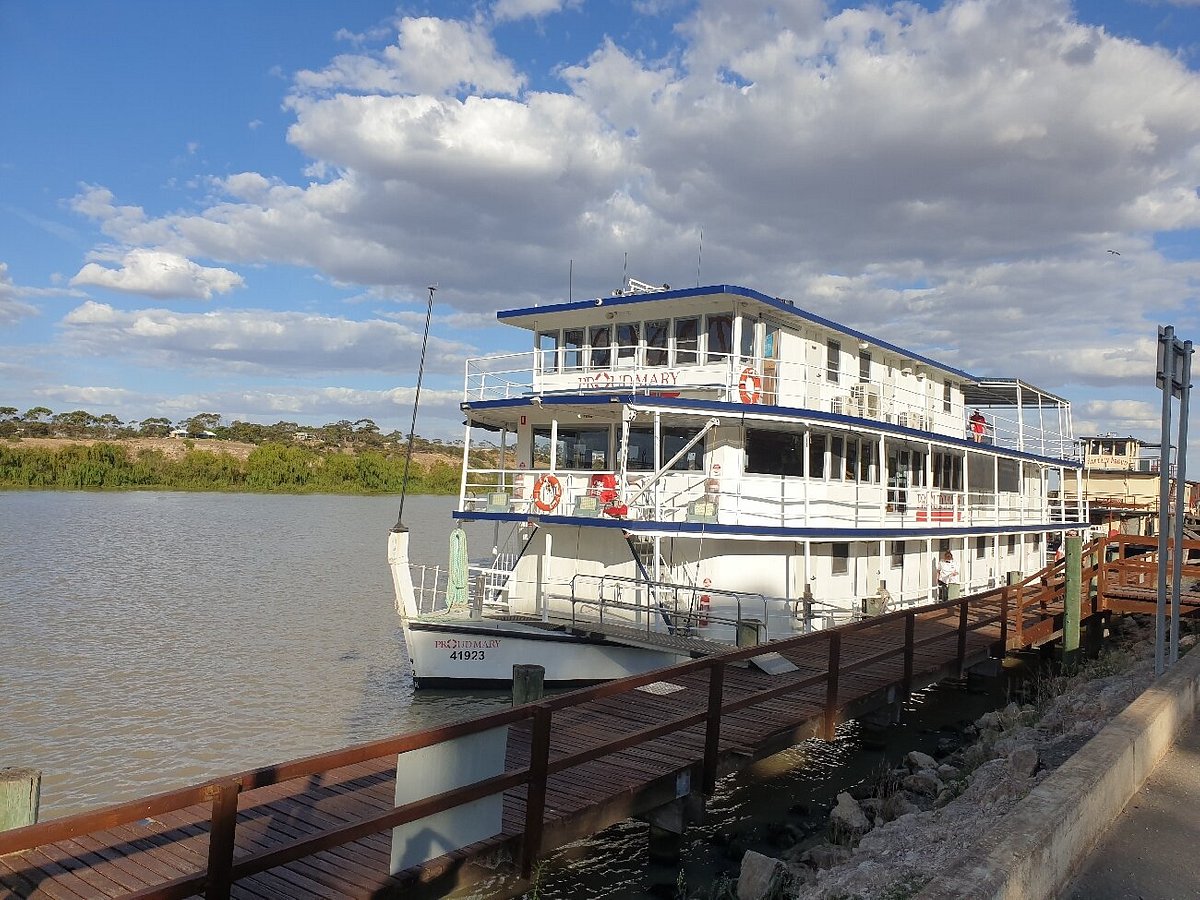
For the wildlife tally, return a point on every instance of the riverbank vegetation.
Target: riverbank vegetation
(41, 449)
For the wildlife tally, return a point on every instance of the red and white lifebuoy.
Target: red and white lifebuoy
(750, 386)
(547, 491)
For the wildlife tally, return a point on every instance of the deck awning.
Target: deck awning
(995, 392)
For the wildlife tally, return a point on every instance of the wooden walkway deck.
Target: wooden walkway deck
(320, 827)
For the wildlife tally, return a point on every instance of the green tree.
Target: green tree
(155, 427)
(202, 422)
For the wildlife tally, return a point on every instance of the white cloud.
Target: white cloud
(11, 308)
(508, 10)
(254, 341)
(430, 56)
(160, 274)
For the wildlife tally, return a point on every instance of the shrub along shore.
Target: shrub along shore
(266, 468)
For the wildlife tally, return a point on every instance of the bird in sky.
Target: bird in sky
(1115, 252)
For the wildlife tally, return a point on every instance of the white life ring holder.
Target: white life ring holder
(547, 484)
(750, 386)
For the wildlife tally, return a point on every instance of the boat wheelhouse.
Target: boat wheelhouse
(665, 464)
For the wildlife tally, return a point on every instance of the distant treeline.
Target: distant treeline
(269, 468)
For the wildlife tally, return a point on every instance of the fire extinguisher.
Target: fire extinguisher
(705, 606)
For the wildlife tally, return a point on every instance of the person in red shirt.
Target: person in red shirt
(978, 426)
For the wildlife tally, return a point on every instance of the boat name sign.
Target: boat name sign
(629, 379)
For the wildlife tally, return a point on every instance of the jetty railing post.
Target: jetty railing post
(1004, 592)
(221, 835)
(831, 683)
(962, 636)
(535, 802)
(712, 728)
(910, 629)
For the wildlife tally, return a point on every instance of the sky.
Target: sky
(238, 207)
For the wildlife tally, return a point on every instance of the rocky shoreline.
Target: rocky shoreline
(890, 836)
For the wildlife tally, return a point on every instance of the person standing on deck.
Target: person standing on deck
(947, 574)
(978, 426)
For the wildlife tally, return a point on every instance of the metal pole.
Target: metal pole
(412, 430)
(1166, 340)
(1180, 500)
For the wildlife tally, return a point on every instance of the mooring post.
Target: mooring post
(831, 684)
(910, 629)
(712, 728)
(528, 683)
(806, 602)
(535, 804)
(20, 796)
(962, 636)
(1071, 599)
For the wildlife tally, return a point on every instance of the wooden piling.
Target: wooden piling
(20, 796)
(528, 683)
(1071, 600)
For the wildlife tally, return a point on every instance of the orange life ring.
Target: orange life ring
(750, 386)
(547, 484)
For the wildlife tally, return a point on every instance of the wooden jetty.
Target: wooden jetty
(574, 763)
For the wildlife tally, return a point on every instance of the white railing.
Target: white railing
(771, 500)
(903, 401)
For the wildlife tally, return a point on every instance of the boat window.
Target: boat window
(1120, 448)
(687, 341)
(897, 554)
(774, 452)
(1012, 544)
(628, 335)
(981, 474)
(578, 448)
(599, 337)
(851, 460)
(868, 453)
(548, 351)
(864, 365)
(947, 471)
(641, 449)
(836, 444)
(656, 342)
(746, 348)
(720, 337)
(833, 360)
(947, 394)
(816, 456)
(572, 354)
(1009, 473)
(771, 341)
(840, 560)
(980, 548)
(917, 473)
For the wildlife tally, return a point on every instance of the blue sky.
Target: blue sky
(236, 207)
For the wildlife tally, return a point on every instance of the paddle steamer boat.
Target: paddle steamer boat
(679, 470)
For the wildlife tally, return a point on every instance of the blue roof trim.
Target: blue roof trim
(779, 305)
(700, 529)
(783, 412)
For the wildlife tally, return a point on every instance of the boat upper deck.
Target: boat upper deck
(762, 356)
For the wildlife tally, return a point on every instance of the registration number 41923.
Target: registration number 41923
(467, 654)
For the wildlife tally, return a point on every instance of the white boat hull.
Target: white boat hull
(460, 653)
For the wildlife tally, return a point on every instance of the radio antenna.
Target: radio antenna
(412, 431)
(571, 281)
(699, 256)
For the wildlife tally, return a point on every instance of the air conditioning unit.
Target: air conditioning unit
(911, 420)
(838, 406)
(866, 397)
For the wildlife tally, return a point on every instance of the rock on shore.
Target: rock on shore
(924, 814)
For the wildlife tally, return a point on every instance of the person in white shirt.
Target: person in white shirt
(947, 574)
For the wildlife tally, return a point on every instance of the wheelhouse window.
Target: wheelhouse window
(839, 563)
(578, 448)
(600, 336)
(947, 395)
(687, 342)
(656, 342)
(864, 365)
(774, 452)
(628, 336)
(641, 450)
(547, 342)
(746, 346)
(833, 361)
(720, 337)
(572, 354)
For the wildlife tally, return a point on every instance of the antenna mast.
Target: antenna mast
(699, 256)
(412, 431)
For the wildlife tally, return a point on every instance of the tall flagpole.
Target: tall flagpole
(412, 431)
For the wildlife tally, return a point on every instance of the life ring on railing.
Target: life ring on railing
(547, 491)
(750, 386)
